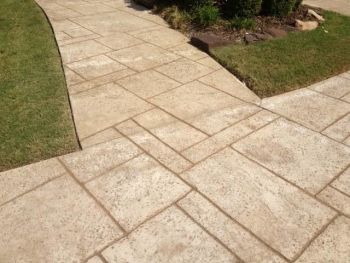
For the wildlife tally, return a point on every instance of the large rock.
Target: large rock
(306, 26)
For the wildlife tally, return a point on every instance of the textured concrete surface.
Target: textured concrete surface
(180, 161)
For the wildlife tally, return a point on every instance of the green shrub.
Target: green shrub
(242, 23)
(280, 7)
(206, 15)
(242, 8)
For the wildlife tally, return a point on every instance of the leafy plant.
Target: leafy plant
(206, 15)
(280, 7)
(242, 8)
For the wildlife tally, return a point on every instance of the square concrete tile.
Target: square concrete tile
(331, 246)
(57, 222)
(137, 190)
(101, 137)
(72, 78)
(299, 155)
(234, 236)
(94, 161)
(225, 81)
(206, 108)
(170, 237)
(184, 70)
(86, 85)
(163, 153)
(109, 23)
(101, 107)
(77, 39)
(228, 136)
(148, 83)
(189, 51)
(78, 32)
(170, 130)
(309, 108)
(60, 25)
(62, 13)
(342, 183)
(335, 199)
(143, 57)
(81, 50)
(164, 37)
(335, 87)
(340, 130)
(18, 181)
(210, 62)
(346, 97)
(94, 67)
(277, 212)
(119, 40)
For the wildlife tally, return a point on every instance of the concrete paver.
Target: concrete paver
(299, 155)
(169, 237)
(260, 201)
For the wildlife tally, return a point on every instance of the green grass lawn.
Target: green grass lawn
(35, 116)
(298, 60)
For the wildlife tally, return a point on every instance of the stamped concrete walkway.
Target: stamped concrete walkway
(180, 161)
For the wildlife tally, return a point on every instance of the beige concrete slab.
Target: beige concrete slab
(210, 62)
(136, 190)
(299, 155)
(335, 87)
(184, 70)
(101, 137)
(109, 23)
(78, 32)
(335, 199)
(228, 136)
(73, 40)
(171, 237)
(225, 81)
(119, 40)
(58, 222)
(89, 9)
(206, 108)
(154, 147)
(148, 83)
(72, 78)
(340, 6)
(343, 182)
(188, 51)
(81, 50)
(96, 160)
(164, 37)
(346, 97)
(61, 14)
(311, 109)
(143, 57)
(94, 67)
(95, 259)
(60, 36)
(347, 141)
(170, 130)
(234, 236)
(281, 215)
(101, 107)
(18, 181)
(340, 130)
(60, 25)
(331, 246)
(100, 81)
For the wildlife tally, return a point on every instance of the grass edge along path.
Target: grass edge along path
(302, 58)
(35, 115)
